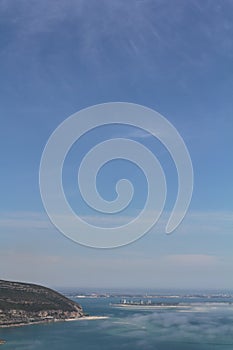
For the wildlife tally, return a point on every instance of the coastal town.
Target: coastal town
(12, 317)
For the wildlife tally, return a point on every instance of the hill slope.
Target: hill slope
(22, 303)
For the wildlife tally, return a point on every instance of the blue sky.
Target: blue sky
(173, 56)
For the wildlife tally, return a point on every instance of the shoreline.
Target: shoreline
(83, 318)
(87, 318)
(132, 306)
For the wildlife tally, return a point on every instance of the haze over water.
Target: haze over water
(196, 323)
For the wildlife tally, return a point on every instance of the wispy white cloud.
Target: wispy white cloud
(205, 222)
(134, 27)
(24, 220)
(135, 133)
(30, 253)
(192, 260)
(129, 270)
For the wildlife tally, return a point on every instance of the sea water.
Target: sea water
(193, 324)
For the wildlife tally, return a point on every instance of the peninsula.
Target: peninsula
(24, 303)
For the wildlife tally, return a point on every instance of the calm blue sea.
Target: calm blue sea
(202, 323)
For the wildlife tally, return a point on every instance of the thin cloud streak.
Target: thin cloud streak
(206, 222)
(148, 28)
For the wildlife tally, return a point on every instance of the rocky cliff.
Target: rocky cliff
(23, 303)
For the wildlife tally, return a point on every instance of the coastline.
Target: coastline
(83, 318)
(141, 306)
(87, 318)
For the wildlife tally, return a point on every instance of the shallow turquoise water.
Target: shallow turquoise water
(199, 326)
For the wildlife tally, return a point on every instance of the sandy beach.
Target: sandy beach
(84, 318)
(87, 318)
